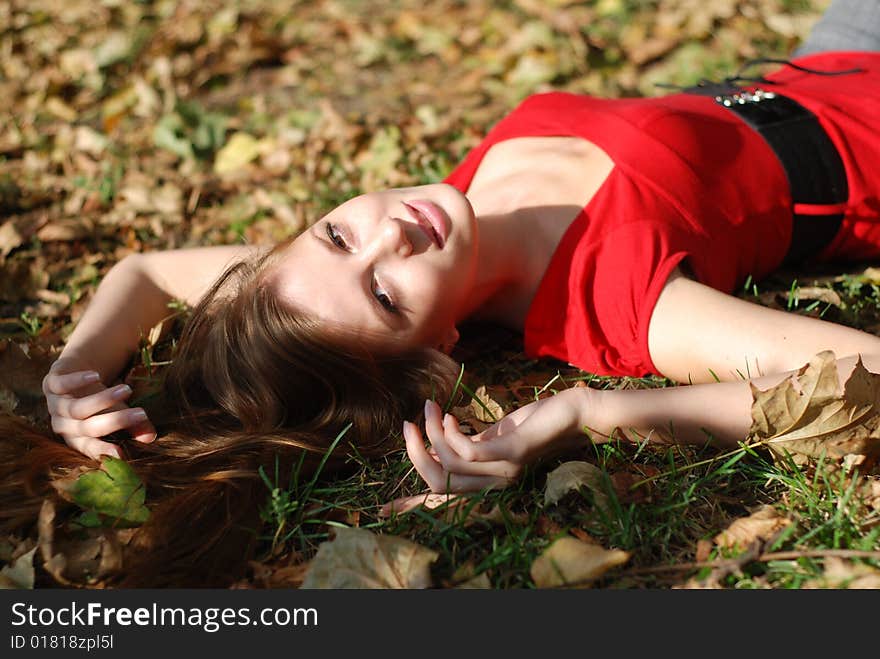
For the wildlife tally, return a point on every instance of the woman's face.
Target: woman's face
(375, 266)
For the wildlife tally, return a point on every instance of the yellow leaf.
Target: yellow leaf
(495, 411)
(236, 153)
(569, 561)
(357, 558)
(761, 524)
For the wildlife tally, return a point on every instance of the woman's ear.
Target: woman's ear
(449, 340)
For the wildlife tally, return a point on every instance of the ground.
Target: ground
(151, 125)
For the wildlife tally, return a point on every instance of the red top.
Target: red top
(690, 181)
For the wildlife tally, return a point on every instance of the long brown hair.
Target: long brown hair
(252, 383)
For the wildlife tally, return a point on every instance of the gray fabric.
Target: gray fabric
(845, 25)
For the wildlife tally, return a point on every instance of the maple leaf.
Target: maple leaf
(806, 415)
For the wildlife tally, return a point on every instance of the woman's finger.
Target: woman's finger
(99, 425)
(455, 464)
(429, 469)
(470, 448)
(92, 447)
(433, 473)
(83, 408)
(60, 384)
(144, 432)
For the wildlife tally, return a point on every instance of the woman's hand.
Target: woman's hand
(83, 410)
(496, 456)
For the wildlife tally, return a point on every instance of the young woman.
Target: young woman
(610, 232)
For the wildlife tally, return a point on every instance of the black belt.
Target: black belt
(815, 171)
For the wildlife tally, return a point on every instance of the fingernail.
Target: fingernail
(138, 415)
(91, 376)
(121, 391)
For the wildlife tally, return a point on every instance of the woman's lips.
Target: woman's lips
(427, 212)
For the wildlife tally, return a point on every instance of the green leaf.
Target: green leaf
(111, 496)
(168, 134)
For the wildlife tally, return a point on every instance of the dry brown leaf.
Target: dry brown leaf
(67, 229)
(19, 574)
(465, 577)
(571, 476)
(479, 582)
(496, 515)
(846, 574)
(10, 238)
(495, 411)
(357, 558)
(83, 557)
(806, 415)
(762, 524)
(569, 561)
(22, 368)
(704, 550)
(8, 400)
(821, 293)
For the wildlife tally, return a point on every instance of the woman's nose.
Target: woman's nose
(391, 236)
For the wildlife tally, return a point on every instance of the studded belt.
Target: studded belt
(815, 171)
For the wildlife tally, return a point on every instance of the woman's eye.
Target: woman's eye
(385, 300)
(335, 237)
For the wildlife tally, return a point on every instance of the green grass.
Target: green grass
(690, 494)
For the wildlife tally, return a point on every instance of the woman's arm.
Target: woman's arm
(132, 299)
(718, 413)
(698, 334)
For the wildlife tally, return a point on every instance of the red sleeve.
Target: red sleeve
(594, 306)
(629, 268)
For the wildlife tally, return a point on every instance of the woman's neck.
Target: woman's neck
(502, 268)
(525, 194)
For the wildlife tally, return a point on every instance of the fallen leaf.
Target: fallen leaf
(465, 578)
(846, 574)
(10, 238)
(485, 407)
(806, 414)
(76, 556)
(19, 574)
(379, 161)
(22, 368)
(241, 149)
(427, 500)
(8, 400)
(704, 550)
(571, 476)
(762, 524)
(357, 558)
(113, 495)
(569, 561)
(821, 293)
